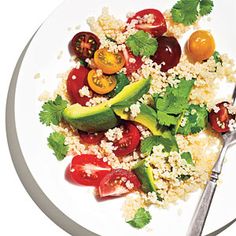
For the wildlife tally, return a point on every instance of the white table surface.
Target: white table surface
(19, 214)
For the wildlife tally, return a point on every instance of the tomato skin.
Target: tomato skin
(113, 183)
(88, 138)
(219, 121)
(109, 62)
(131, 67)
(168, 52)
(83, 45)
(74, 85)
(129, 142)
(201, 45)
(87, 169)
(68, 175)
(157, 28)
(101, 84)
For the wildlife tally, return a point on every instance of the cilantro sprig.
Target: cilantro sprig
(173, 103)
(141, 218)
(52, 111)
(195, 120)
(148, 143)
(142, 44)
(56, 142)
(187, 11)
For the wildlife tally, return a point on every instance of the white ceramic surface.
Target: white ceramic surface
(78, 203)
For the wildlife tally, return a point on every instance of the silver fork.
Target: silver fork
(199, 218)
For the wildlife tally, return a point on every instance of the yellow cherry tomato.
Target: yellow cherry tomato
(100, 83)
(201, 45)
(109, 62)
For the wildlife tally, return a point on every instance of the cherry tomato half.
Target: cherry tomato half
(201, 45)
(88, 170)
(83, 45)
(129, 142)
(101, 84)
(131, 66)
(116, 183)
(91, 138)
(156, 28)
(76, 80)
(220, 120)
(168, 53)
(109, 62)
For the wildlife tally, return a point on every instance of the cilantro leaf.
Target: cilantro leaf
(148, 143)
(172, 104)
(188, 157)
(141, 43)
(217, 57)
(56, 142)
(142, 217)
(206, 7)
(110, 39)
(52, 111)
(183, 177)
(196, 120)
(122, 81)
(166, 119)
(187, 11)
(183, 89)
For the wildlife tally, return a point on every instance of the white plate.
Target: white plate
(78, 203)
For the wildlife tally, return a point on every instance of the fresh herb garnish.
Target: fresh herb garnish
(166, 119)
(52, 111)
(183, 177)
(173, 103)
(110, 39)
(217, 57)
(187, 11)
(141, 218)
(148, 143)
(122, 81)
(56, 142)
(142, 44)
(195, 120)
(188, 157)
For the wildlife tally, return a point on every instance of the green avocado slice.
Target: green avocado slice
(146, 117)
(144, 173)
(91, 119)
(102, 117)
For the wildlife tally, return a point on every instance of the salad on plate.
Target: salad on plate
(138, 113)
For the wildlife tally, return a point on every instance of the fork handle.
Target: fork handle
(201, 212)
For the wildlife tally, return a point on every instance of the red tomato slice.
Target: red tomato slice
(219, 121)
(68, 175)
(88, 138)
(131, 67)
(76, 80)
(157, 28)
(88, 170)
(129, 142)
(115, 183)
